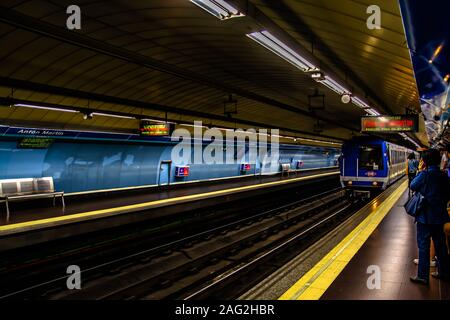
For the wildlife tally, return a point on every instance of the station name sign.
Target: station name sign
(390, 124)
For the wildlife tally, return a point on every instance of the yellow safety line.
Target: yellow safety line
(6, 229)
(317, 280)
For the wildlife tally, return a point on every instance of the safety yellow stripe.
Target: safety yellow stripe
(317, 280)
(34, 224)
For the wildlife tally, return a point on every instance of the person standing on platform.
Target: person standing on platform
(434, 185)
(412, 166)
(420, 168)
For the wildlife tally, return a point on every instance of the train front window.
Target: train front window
(370, 157)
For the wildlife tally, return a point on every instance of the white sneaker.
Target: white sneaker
(432, 262)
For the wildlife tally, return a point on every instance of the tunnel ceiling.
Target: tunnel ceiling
(169, 56)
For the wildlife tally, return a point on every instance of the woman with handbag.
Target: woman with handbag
(433, 186)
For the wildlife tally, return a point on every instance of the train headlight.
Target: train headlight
(374, 183)
(350, 183)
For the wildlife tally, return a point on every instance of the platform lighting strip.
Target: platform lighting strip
(223, 129)
(405, 136)
(358, 102)
(23, 105)
(111, 115)
(270, 42)
(287, 137)
(218, 8)
(372, 112)
(306, 139)
(157, 121)
(193, 125)
(319, 141)
(333, 85)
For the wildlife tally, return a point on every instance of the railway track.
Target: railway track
(205, 264)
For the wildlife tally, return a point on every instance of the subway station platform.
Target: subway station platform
(383, 240)
(392, 248)
(127, 206)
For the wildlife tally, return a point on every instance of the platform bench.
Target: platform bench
(28, 189)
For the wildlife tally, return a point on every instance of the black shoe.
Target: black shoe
(439, 276)
(416, 279)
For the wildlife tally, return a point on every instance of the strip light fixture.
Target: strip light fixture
(372, 112)
(111, 115)
(270, 42)
(193, 125)
(24, 105)
(334, 85)
(405, 136)
(358, 102)
(157, 121)
(218, 8)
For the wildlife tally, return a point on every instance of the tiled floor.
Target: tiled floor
(391, 247)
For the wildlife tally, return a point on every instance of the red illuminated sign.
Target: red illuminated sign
(182, 171)
(155, 130)
(246, 167)
(386, 124)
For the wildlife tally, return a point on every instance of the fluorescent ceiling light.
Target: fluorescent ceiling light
(372, 112)
(44, 108)
(218, 8)
(224, 129)
(111, 115)
(333, 85)
(358, 102)
(193, 125)
(319, 141)
(157, 121)
(267, 40)
(405, 136)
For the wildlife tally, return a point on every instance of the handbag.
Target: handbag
(415, 204)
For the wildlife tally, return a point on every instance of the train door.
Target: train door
(164, 172)
(389, 159)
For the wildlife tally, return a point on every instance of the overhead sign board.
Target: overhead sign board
(34, 143)
(390, 124)
(155, 129)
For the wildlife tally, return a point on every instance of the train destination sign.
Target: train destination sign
(389, 124)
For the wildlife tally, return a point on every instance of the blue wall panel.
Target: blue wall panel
(82, 166)
(20, 163)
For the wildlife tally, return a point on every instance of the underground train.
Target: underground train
(368, 162)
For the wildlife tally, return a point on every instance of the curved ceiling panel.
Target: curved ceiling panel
(169, 56)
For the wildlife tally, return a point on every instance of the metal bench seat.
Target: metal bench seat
(28, 189)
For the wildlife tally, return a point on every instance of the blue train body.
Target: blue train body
(371, 163)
